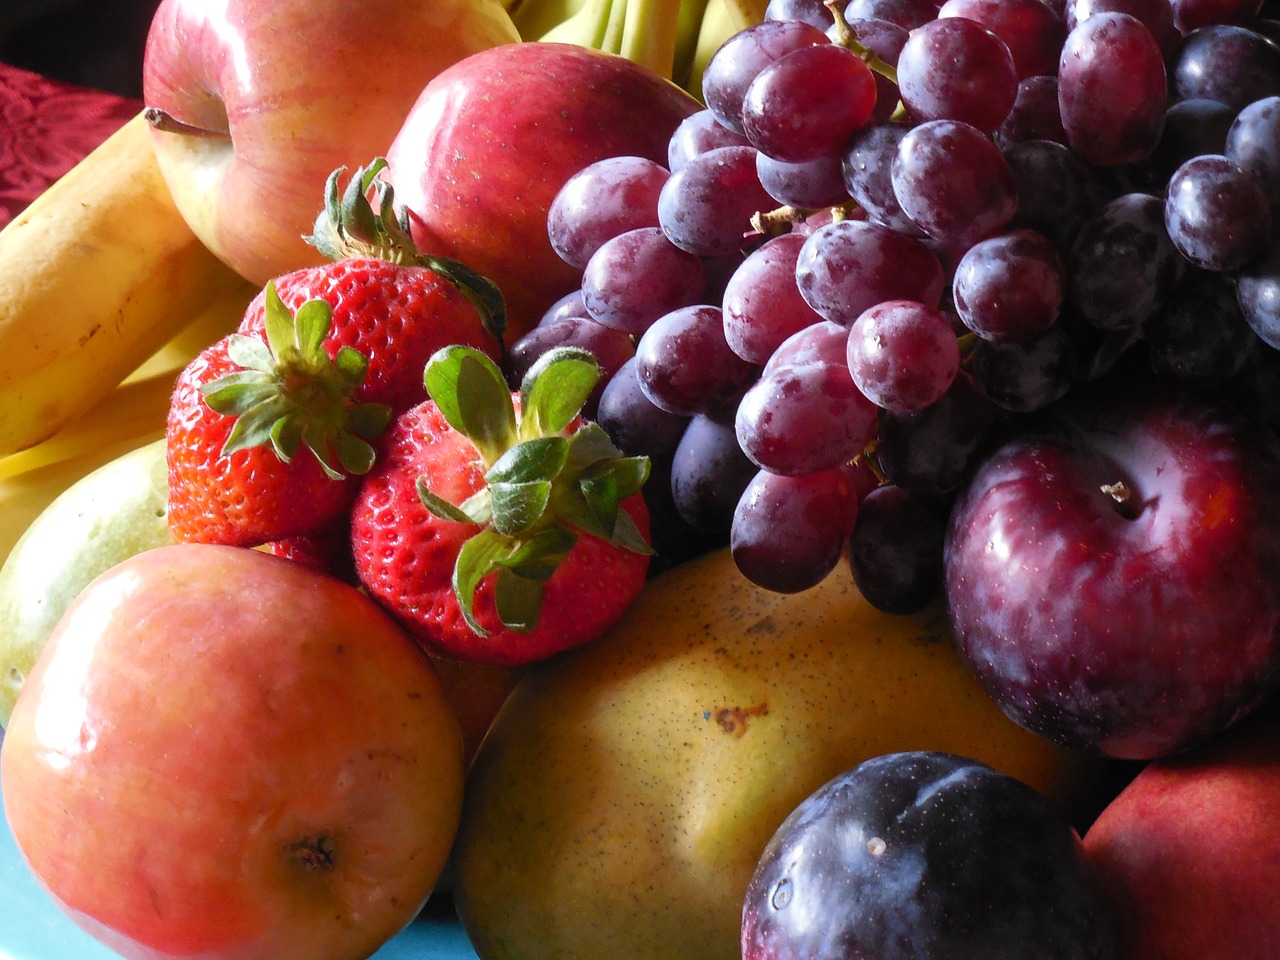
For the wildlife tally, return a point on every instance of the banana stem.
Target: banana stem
(649, 34)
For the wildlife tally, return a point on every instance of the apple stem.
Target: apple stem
(166, 122)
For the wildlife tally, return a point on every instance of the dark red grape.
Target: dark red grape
(895, 550)
(1228, 63)
(706, 207)
(1253, 141)
(1034, 114)
(884, 40)
(1216, 213)
(637, 277)
(1028, 375)
(600, 201)
(1112, 89)
(697, 134)
(685, 366)
(933, 451)
(1155, 15)
(903, 355)
(636, 425)
(740, 58)
(1191, 128)
(807, 186)
(709, 471)
(907, 14)
(1031, 29)
(762, 304)
(867, 170)
(956, 69)
(1258, 290)
(1010, 287)
(1200, 338)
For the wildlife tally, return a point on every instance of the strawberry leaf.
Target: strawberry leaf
(473, 397)
(540, 459)
(555, 389)
(518, 506)
(250, 353)
(441, 507)
(517, 600)
(477, 559)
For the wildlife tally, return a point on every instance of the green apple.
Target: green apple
(108, 515)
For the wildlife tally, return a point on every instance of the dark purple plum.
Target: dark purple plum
(1110, 572)
(925, 856)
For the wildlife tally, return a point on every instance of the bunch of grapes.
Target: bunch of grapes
(896, 229)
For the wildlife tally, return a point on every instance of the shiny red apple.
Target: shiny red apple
(1189, 853)
(224, 754)
(494, 137)
(253, 103)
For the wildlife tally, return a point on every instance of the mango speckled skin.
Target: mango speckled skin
(626, 791)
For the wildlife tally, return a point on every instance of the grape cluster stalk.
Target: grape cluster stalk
(898, 230)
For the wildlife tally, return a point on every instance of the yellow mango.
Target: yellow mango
(626, 790)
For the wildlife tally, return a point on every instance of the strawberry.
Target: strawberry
(270, 427)
(502, 528)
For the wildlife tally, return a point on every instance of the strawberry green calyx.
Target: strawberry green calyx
(289, 394)
(544, 485)
(362, 222)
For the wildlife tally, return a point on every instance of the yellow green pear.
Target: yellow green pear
(108, 515)
(626, 790)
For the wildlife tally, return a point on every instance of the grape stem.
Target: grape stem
(844, 36)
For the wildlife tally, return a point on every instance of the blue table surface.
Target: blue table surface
(33, 928)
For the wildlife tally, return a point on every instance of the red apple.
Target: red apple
(1111, 573)
(494, 137)
(1189, 852)
(255, 102)
(223, 754)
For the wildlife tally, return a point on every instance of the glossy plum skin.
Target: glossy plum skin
(1130, 621)
(925, 856)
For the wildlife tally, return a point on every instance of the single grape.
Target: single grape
(1200, 338)
(697, 134)
(636, 425)
(824, 342)
(933, 451)
(807, 186)
(802, 418)
(706, 207)
(611, 347)
(1189, 15)
(850, 265)
(907, 14)
(1123, 266)
(1010, 287)
(637, 277)
(953, 182)
(1031, 29)
(805, 105)
(867, 171)
(1216, 213)
(673, 539)
(1027, 375)
(739, 59)
(1253, 141)
(1112, 89)
(1034, 114)
(789, 533)
(1191, 128)
(569, 305)
(954, 68)
(685, 366)
(762, 304)
(602, 200)
(1155, 15)
(1057, 191)
(895, 550)
(903, 355)
(1258, 290)
(709, 471)
(813, 12)
(1228, 63)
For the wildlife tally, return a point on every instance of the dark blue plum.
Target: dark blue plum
(925, 856)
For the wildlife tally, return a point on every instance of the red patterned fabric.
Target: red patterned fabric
(46, 127)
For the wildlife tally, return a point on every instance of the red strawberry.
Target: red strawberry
(500, 528)
(268, 427)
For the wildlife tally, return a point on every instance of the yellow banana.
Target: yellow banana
(130, 415)
(95, 276)
(533, 18)
(719, 23)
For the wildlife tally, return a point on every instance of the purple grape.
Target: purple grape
(867, 171)
(1057, 191)
(1034, 114)
(1253, 141)
(1028, 375)
(1258, 291)
(813, 12)
(895, 550)
(739, 59)
(637, 277)
(707, 206)
(903, 355)
(884, 40)
(789, 533)
(953, 182)
(1191, 128)
(956, 69)
(1189, 15)
(1010, 287)
(805, 105)
(806, 186)
(1112, 89)
(1155, 15)
(600, 201)
(802, 418)
(821, 342)
(850, 265)
(933, 451)
(1031, 29)
(762, 304)
(907, 14)
(1216, 213)
(1200, 337)
(1123, 266)
(685, 366)
(570, 305)
(636, 425)
(697, 134)
(709, 471)
(1228, 63)
(611, 347)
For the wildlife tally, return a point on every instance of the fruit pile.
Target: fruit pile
(930, 361)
